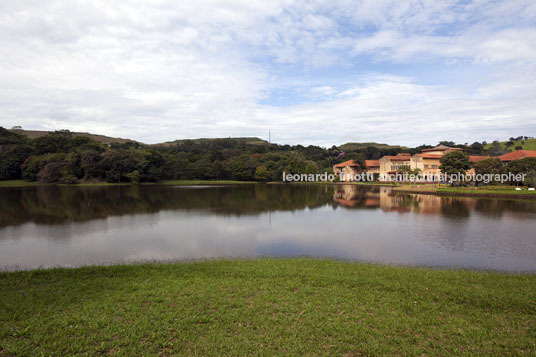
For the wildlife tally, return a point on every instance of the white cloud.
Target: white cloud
(163, 70)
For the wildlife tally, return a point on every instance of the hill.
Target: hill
(33, 134)
(357, 146)
(245, 140)
(526, 144)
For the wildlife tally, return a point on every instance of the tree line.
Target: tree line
(63, 157)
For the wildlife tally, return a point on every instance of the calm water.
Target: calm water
(70, 226)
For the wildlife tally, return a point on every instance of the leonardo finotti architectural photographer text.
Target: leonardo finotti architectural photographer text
(404, 177)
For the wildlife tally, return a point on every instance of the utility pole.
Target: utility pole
(269, 136)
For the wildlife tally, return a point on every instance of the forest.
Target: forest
(63, 157)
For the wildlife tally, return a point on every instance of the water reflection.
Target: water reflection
(68, 226)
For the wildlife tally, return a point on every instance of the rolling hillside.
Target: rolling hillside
(357, 146)
(246, 140)
(528, 144)
(32, 134)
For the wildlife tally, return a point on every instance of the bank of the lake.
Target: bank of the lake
(203, 182)
(484, 191)
(23, 183)
(266, 306)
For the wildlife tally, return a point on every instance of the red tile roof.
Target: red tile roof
(477, 158)
(441, 148)
(429, 156)
(398, 157)
(518, 154)
(347, 163)
(372, 163)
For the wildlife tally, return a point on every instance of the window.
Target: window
(425, 166)
(434, 166)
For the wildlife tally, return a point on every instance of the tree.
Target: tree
(447, 143)
(454, 163)
(311, 168)
(58, 141)
(525, 166)
(117, 163)
(134, 176)
(11, 161)
(9, 137)
(489, 166)
(477, 148)
(262, 173)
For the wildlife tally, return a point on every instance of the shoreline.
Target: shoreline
(421, 189)
(24, 183)
(468, 192)
(296, 306)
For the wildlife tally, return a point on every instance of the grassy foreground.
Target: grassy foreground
(266, 306)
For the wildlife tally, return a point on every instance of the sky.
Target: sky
(310, 72)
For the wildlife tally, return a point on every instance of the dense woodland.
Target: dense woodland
(62, 157)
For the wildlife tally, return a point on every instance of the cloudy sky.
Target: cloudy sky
(312, 72)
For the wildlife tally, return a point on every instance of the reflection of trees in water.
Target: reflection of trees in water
(360, 197)
(54, 204)
(499, 207)
(456, 207)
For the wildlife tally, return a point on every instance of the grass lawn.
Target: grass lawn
(203, 182)
(529, 144)
(488, 190)
(17, 183)
(483, 190)
(265, 307)
(20, 183)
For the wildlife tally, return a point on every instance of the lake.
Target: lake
(48, 226)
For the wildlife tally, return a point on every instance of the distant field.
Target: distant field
(246, 140)
(356, 146)
(33, 134)
(529, 144)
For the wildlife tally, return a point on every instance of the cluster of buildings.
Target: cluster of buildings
(427, 162)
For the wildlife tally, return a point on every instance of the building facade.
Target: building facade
(391, 164)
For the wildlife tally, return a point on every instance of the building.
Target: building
(347, 168)
(517, 155)
(439, 150)
(427, 164)
(429, 161)
(391, 164)
(372, 166)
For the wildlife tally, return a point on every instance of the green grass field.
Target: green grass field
(21, 183)
(17, 183)
(266, 307)
(529, 144)
(203, 182)
(509, 190)
(482, 190)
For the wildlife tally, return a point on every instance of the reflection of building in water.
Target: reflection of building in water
(389, 201)
(355, 196)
